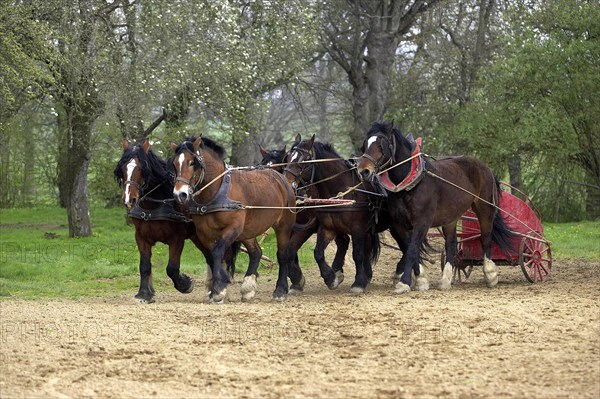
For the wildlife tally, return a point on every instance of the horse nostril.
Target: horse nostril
(182, 197)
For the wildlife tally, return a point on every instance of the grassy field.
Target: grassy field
(38, 259)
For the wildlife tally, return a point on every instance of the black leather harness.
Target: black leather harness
(220, 201)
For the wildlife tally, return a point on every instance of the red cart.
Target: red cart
(529, 248)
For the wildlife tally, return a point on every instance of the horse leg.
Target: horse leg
(450, 245)
(342, 241)
(359, 247)
(220, 277)
(182, 282)
(248, 288)
(146, 292)
(413, 257)
(285, 255)
(402, 241)
(297, 239)
(490, 270)
(329, 276)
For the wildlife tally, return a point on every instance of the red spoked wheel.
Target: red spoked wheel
(535, 258)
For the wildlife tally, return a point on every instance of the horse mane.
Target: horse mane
(388, 129)
(206, 142)
(153, 166)
(154, 169)
(325, 150)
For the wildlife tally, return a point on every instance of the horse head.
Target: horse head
(130, 171)
(299, 170)
(273, 157)
(383, 146)
(190, 168)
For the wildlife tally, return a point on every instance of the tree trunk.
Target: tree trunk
(592, 204)
(514, 172)
(62, 121)
(73, 178)
(4, 165)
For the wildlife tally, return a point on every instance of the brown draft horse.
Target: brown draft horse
(304, 217)
(234, 205)
(430, 202)
(148, 196)
(326, 180)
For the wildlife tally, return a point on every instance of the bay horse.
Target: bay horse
(148, 196)
(307, 218)
(326, 180)
(230, 205)
(418, 199)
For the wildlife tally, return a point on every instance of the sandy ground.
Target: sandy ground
(516, 340)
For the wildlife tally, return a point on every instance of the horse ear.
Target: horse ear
(309, 143)
(125, 144)
(297, 140)
(263, 152)
(392, 124)
(197, 143)
(173, 145)
(283, 151)
(146, 146)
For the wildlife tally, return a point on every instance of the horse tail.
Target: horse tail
(312, 223)
(501, 234)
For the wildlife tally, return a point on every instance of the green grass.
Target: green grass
(38, 259)
(574, 240)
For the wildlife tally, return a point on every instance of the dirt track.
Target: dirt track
(516, 340)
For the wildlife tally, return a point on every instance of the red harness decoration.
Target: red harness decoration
(416, 172)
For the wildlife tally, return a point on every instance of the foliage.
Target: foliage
(537, 101)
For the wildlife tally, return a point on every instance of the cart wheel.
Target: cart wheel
(535, 258)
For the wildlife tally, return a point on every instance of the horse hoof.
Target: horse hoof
(144, 299)
(491, 280)
(247, 296)
(249, 284)
(401, 288)
(445, 285)
(186, 284)
(298, 288)
(340, 276)
(219, 297)
(357, 290)
(334, 284)
(421, 284)
(279, 297)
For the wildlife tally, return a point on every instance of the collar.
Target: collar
(417, 166)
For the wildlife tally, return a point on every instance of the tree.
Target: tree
(538, 100)
(363, 37)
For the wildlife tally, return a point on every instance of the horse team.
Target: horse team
(391, 186)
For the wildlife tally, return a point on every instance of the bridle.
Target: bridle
(199, 164)
(388, 151)
(299, 181)
(140, 187)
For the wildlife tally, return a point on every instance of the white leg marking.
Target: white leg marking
(294, 291)
(401, 288)
(248, 288)
(219, 297)
(208, 280)
(340, 276)
(421, 282)
(446, 282)
(490, 272)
